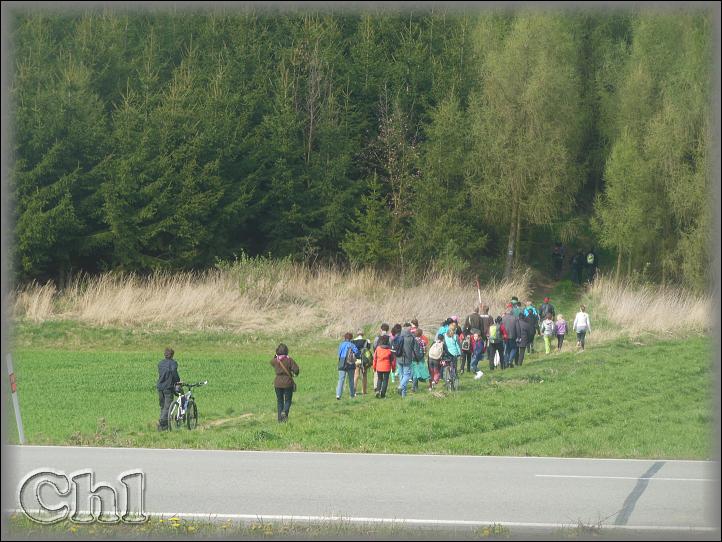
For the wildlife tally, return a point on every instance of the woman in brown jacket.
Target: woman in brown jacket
(285, 369)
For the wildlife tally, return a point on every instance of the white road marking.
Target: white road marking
(394, 521)
(626, 478)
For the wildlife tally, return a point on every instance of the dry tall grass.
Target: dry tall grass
(656, 310)
(257, 295)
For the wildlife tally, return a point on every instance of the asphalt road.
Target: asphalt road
(531, 492)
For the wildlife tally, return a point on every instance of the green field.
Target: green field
(86, 386)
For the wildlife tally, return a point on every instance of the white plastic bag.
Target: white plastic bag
(497, 360)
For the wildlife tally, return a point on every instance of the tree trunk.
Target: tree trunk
(629, 266)
(510, 244)
(619, 266)
(517, 241)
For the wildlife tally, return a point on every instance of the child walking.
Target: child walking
(561, 331)
(548, 332)
(384, 363)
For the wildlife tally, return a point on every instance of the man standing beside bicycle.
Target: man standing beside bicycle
(167, 380)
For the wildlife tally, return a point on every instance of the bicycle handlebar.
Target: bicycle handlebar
(185, 385)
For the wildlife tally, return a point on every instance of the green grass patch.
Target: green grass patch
(614, 400)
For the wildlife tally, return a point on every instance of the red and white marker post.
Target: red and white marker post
(16, 405)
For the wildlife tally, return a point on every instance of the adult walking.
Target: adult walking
(419, 368)
(167, 379)
(363, 360)
(410, 352)
(510, 324)
(453, 348)
(285, 368)
(384, 363)
(547, 307)
(495, 344)
(347, 354)
(591, 264)
(582, 325)
(533, 317)
(472, 322)
(527, 331)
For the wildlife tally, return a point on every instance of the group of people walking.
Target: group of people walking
(404, 353)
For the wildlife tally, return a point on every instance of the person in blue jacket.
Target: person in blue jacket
(347, 365)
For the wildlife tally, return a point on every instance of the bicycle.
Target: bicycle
(451, 377)
(184, 409)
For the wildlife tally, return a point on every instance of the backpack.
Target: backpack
(466, 344)
(350, 359)
(398, 347)
(494, 334)
(367, 358)
(436, 351)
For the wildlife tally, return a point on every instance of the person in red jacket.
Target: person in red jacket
(384, 363)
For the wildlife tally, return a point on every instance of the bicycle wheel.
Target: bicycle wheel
(192, 415)
(175, 421)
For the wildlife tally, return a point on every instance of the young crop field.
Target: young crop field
(83, 386)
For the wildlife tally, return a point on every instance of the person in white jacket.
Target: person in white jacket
(581, 326)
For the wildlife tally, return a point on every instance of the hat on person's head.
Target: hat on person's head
(455, 318)
(515, 300)
(546, 300)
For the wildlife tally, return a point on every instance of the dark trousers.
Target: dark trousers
(165, 399)
(521, 352)
(283, 401)
(383, 382)
(560, 341)
(511, 351)
(492, 350)
(466, 361)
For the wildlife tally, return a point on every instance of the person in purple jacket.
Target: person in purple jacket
(561, 331)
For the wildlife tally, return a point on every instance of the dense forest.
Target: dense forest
(467, 140)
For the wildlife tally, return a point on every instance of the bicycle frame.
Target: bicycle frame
(183, 399)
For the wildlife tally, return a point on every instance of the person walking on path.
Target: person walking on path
(548, 331)
(168, 378)
(477, 349)
(527, 331)
(285, 368)
(452, 348)
(515, 307)
(362, 365)
(384, 363)
(561, 331)
(410, 352)
(436, 352)
(384, 331)
(472, 322)
(495, 344)
(546, 307)
(419, 368)
(591, 264)
(347, 354)
(533, 317)
(510, 325)
(581, 326)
